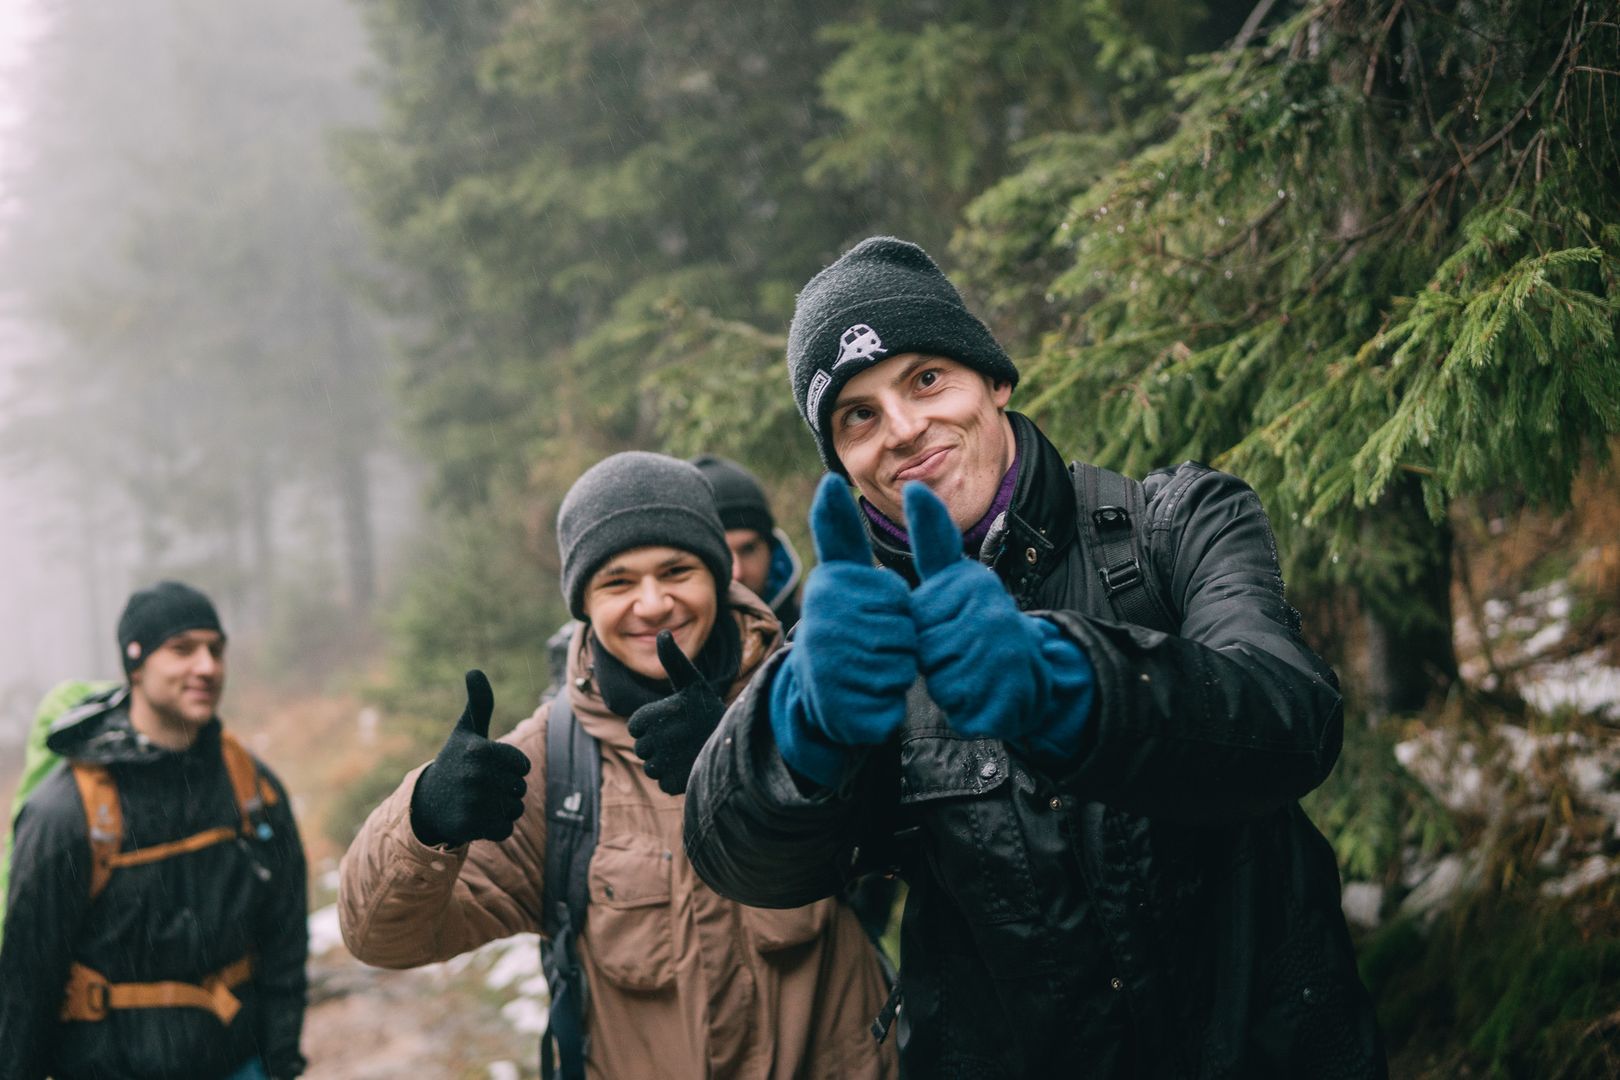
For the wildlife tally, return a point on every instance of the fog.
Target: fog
(193, 376)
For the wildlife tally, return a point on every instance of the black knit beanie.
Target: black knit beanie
(155, 614)
(636, 499)
(882, 298)
(737, 494)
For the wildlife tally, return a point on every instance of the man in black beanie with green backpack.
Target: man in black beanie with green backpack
(570, 825)
(156, 915)
(1073, 711)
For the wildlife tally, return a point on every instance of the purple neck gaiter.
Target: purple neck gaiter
(975, 534)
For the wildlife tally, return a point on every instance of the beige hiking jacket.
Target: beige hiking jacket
(683, 983)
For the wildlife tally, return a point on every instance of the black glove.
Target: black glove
(670, 732)
(474, 789)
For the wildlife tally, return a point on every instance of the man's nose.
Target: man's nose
(903, 424)
(652, 599)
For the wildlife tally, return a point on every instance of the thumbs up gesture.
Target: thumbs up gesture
(982, 657)
(670, 732)
(474, 789)
(854, 655)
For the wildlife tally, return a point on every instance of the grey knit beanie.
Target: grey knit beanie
(737, 494)
(882, 298)
(636, 499)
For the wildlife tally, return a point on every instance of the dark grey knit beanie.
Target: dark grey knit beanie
(737, 494)
(157, 613)
(636, 499)
(882, 298)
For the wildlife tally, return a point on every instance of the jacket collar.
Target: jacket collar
(1028, 541)
(99, 732)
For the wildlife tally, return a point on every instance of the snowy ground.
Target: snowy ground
(478, 1015)
(1472, 774)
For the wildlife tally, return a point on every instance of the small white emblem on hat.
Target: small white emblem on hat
(857, 343)
(812, 404)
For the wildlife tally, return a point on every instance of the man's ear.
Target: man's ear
(1000, 391)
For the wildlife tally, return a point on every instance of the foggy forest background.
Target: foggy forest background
(322, 304)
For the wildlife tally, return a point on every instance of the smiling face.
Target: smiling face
(925, 418)
(641, 591)
(176, 690)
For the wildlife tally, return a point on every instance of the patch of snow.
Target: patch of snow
(1583, 683)
(1545, 638)
(1595, 869)
(1362, 901)
(1450, 876)
(527, 1015)
(324, 933)
(1447, 769)
(513, 964)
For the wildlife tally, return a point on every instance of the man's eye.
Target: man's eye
(928, 378)
(852, 417)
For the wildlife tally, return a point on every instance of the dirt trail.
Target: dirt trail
(368, 1024)
(475, 1016)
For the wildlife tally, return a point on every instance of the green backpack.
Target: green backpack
(39, 762)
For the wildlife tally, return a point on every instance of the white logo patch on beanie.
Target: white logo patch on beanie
(812, 402)
(857, 343)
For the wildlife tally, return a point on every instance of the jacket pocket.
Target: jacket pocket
(959, 789)
(775, 929)
(628, 928)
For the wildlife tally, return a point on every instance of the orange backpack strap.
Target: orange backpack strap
(104, 817)
(253, 792)
(104, 820)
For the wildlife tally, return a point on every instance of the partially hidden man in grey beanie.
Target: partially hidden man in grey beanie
(637, 499)
(737, 494)
(883, 297)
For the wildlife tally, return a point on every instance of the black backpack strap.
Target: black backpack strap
(1113, 525)
(573, 817)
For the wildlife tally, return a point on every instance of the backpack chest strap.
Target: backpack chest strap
(89, 995)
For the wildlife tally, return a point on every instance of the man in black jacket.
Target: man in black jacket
(156, 923)
(1109, 873)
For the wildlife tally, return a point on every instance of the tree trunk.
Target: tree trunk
(1409, 655)
(261, 525)
(359, 540)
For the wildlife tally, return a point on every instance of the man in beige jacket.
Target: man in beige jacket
(682, 982)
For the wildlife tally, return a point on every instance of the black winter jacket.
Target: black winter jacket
(179, 919)
(1157, 907)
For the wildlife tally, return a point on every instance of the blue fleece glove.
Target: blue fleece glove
(996, 672)
(854, 655)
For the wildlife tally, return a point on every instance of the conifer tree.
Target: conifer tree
(1366, 257)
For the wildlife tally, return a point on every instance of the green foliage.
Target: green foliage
(475, 601)
(1523, 983)
(1374, 814)
(1370, 249)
